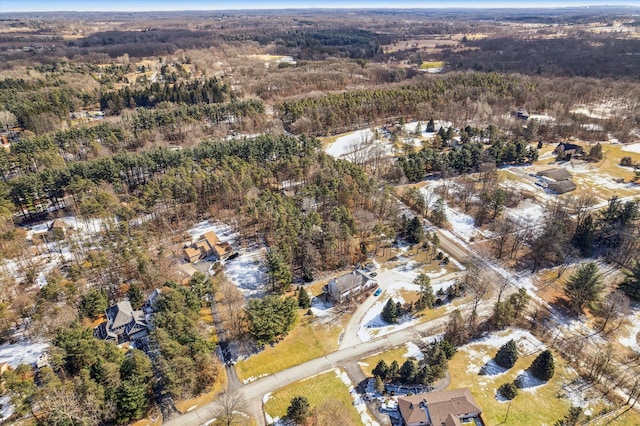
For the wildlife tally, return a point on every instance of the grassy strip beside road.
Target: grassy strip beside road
(310, 339)
(318, 390)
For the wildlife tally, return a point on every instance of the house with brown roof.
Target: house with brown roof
(454, 407)
(123, 324)
(208, 244)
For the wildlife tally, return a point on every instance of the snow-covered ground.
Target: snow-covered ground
(480, 361)
(345, 144)
(632, 148)
(393, 282)
(248, 270)
(21, 353)
(528, 210)
(629, 337)
(223, 231)
(413, 351)
(358, 402)
(6, 408)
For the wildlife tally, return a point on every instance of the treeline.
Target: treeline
(314, 44)
(323, 114)
(587, 55)
(212, 114)
(53, 150)
(465, 159)
(41, 105)
(34, 193)
(209, 91)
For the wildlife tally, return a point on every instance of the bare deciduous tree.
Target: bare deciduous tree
(230, 408)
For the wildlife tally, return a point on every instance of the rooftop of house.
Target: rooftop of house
(350, 280)
(555, 174)
(122, 314)
(444, 407)
(58, 224)
(191, 252)
(562, 186)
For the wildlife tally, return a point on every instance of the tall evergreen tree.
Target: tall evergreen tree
(584, 287)
(390, 312)
(543, 366)
(631, 283)
(507, 354)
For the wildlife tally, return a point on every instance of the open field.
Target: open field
(318, 389)
(308, 340)
(556, 396)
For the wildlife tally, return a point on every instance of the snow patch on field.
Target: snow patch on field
(270, 420)
(632, 148)
(358, 402)
(345, 144)
(478, 358)
(413, 351)
(222, 230)
(21, 353)
(630, 338)
(527, 210)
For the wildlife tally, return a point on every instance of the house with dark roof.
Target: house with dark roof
(447, 408)
(558, 180)
(348, 285)
(566, 151)
(123, 324)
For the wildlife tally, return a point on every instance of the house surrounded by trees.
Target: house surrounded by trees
(123, 324)
(208, 244)
(348, 285)
(450, 408)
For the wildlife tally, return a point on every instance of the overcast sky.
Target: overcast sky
(147, 5)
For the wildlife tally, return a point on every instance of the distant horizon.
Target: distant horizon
(43, 6)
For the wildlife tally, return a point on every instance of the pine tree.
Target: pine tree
(431, 127)
(571, 418)
(631, 284)
(304, 301)
(543, 366)
(390, 312)
(507, 354)
(299, 409)
(584, 287)
(381, 370)
(427, 299)
(508, 390)
(408, 371)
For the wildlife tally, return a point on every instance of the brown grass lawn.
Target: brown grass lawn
(543, 405)
(309, 339)
(368, 364)
(317, 390)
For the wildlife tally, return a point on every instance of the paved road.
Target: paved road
(253, 393)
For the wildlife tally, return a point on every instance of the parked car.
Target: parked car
(377, 292)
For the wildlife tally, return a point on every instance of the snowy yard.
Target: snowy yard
(21, 353)
(247, 271)
(635, 148)
(629, 337)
